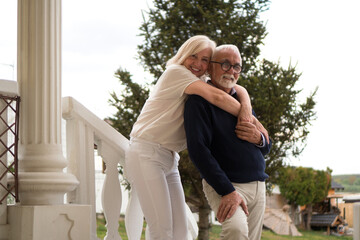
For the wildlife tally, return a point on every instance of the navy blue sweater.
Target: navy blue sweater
(219, 155)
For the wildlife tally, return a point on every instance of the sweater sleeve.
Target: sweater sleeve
(266, 148)
(198, 128)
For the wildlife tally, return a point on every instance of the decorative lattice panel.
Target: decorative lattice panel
(9, 128)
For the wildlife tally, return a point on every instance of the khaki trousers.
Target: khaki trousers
(240, 226)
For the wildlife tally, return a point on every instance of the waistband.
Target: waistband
(140, 140)
(175, 155)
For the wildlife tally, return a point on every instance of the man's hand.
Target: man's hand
(248, 132)
(261, 128)
(228, 205)
(258, 125)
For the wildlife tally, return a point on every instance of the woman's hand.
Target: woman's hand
(245, 113)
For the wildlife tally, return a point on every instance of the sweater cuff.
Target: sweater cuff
(263, 141)
(226, 190)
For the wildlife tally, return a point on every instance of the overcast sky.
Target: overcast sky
(320, 37)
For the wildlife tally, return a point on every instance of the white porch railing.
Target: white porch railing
(83, 130)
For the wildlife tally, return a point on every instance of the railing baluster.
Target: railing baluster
(134, 218)
(111, 196)
(80, 154)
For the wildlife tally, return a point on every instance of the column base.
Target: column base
(4, 231)
(44, 188)
(59, 222)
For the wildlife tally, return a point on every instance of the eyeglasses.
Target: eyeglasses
(226, 66)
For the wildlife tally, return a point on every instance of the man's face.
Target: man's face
(224, 80)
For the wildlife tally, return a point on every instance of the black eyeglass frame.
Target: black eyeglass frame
(230, 66)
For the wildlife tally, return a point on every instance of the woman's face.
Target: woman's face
(199, 62)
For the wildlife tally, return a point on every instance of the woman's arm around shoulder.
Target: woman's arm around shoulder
(245, 113)
(215, 96)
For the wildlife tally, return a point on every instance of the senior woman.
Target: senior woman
(158, 135)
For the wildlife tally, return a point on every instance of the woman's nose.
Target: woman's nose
(197, 62)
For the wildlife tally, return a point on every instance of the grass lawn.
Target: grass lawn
(215, 230)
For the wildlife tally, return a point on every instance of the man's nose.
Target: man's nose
(231, 70)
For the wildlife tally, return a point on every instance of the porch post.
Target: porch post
(41, 160)
(356, 221)
(42, 214)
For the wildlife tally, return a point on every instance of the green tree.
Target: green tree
(172, 22)
(304, 187)
(274, 99)
(357, 182)
(352, 179)
(129, 104)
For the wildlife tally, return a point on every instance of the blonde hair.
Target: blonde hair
(192, 46)
(223, 47)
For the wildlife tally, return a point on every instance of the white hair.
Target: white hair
(224, 47)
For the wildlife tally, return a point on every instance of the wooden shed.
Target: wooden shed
(326, 220)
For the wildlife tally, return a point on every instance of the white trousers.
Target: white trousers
(153, 173)
(240, 226)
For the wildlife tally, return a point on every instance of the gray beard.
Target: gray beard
(226, 83)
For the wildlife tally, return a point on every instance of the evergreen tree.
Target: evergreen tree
(304, 187)
(274, 99)
(128, 104)
(169, 24)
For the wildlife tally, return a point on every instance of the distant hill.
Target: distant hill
(351, 183)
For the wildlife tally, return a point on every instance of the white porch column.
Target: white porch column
(356, 221)
(41, 160)
(42, 214)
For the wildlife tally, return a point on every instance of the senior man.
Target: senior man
(229, 155)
